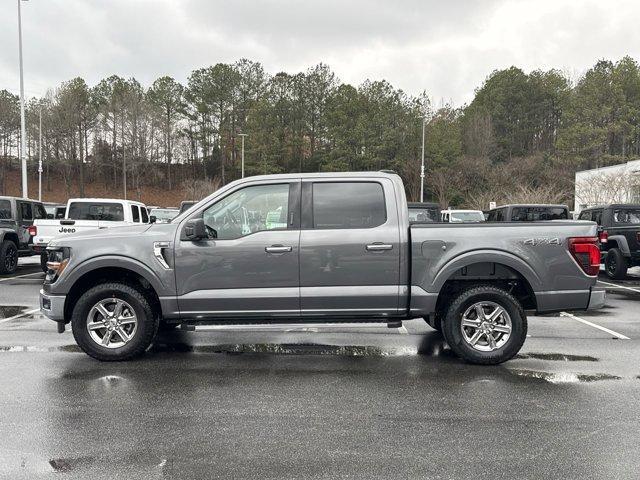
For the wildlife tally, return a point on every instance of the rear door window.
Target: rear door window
(113, 212)
(364, 207)
(145, 214)
(135, 213)
(5, 210)
(536, 214)
(585, 216)
(629, 216)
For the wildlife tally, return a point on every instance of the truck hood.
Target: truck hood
(106, 234)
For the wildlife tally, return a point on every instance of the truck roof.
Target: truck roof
(104, 200)
(613, 205)
(553, 205)
(9, 197)
(372, 174)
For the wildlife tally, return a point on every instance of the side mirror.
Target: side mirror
(152, 219)
(195, 230)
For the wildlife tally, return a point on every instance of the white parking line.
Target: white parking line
(20, 276)
(23, 314)
(621, 286)
(591, 324)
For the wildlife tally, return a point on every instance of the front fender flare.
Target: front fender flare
(112, 261)
(486, 256)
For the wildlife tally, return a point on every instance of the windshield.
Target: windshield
(423, 214)
(166, 214)
(113, 212)
(467, 216)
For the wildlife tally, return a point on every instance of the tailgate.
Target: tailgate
(49, 229)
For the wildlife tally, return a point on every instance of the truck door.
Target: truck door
(349, 248)
(248, 266)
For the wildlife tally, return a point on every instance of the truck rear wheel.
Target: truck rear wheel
(616, 264)
(485, 325)
(113, 321)
(8, 257)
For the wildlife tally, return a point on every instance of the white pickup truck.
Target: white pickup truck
(84, 214)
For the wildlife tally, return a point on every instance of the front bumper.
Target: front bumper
(597, 298)
(52, 306)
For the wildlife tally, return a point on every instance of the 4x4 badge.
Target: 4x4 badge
(542, 241)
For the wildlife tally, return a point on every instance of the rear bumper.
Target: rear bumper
(52, 306)
(559, 300)
(597, 298)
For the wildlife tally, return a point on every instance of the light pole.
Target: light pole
(23, 129)
(40, 157)
(424, 121)
(242, 135)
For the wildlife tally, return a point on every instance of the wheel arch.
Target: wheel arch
(620, 242)
(87, 279)
(504, 270)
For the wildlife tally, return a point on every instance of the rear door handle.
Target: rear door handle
(278, 249)
(378, 247)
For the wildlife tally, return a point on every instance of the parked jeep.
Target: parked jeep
(619, 232)
(528, 213)
(17, 230)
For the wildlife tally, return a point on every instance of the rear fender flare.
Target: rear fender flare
(622, 244)
(483, 256)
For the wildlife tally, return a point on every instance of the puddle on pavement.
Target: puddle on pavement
(558, 357)
(7, 311)
(564, 377)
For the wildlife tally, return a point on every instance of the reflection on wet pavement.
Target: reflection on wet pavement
(564, 377)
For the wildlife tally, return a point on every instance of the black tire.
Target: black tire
(147, 325)
(44, 258)
(615, 265)
(452, 325)
(8, 257)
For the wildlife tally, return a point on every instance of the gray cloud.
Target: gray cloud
(445, 48)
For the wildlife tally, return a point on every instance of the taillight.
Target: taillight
(603, 236)
(33, 230)
(586, 253)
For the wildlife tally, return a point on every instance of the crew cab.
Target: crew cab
(17, 216)
(528, 213)
(619, 232)
(84, 214)
(317, 247)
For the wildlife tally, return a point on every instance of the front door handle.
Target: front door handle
(278, 249)
(378, 247)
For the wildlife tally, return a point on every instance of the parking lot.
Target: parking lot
(322, 401)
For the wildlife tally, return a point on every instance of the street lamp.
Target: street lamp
(23, 129)
(242, 135)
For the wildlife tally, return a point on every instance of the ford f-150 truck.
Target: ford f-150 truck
(317, 247)
(84, 214)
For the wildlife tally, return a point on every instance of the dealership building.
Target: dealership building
(613, 184)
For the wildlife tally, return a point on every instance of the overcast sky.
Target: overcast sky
(445, 47)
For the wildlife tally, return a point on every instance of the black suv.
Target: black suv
(619, 231)
(17, 230)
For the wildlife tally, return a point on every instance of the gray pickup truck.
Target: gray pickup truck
(318, 247)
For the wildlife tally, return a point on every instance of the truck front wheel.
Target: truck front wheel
(113, 321)
(485, 325)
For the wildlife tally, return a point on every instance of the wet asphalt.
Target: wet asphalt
(322, 401)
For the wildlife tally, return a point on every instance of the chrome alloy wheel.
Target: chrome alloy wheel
(112, 323)
(486, 326)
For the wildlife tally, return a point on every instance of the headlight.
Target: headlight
(58, 259)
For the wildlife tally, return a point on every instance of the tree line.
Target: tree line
(522, 136)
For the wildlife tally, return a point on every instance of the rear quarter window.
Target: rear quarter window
(5, 210)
